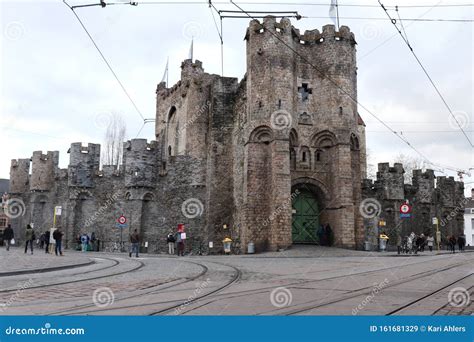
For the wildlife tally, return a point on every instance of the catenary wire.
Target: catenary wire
(105, 60)
(405, 39)
(344, 91)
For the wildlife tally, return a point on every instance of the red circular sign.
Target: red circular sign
(405, 208)
(122, 219)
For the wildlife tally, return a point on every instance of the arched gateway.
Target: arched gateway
(307, 212)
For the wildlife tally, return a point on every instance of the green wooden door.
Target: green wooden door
(305, 218)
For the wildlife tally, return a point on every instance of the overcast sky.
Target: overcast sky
(55, 88)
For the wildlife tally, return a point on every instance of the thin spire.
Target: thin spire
(191, 50)
(165, 74)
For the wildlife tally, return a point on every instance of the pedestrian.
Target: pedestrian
(399, 243)
(93, 242)
(41, 241)
(84, 242)
(461, 243)
(171, 241)
(29, 238)
(422, 241)
(47, 237)
(430, 242)
(78, 242)
(58, 236)
(134, 241)
(8, 236)
(180, 243)
(452, 243)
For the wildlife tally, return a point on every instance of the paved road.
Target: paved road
(303, 281)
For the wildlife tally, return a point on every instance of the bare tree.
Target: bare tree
(371, 167)
(113, 140)
(409, 164)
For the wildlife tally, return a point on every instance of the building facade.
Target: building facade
(266, 160)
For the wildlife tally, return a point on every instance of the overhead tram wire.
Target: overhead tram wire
(285, 4)
(405, 39)
(102, 55)
(401, 137)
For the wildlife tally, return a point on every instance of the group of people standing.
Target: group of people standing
(30, 237)
(175, 239)
(414, 243)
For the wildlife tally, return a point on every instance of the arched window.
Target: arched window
(171, 132)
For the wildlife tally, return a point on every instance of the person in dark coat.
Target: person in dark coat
(58, 236)
(134, 243)
(29, 238)
(452, 243)
(47, 236)
(8, 236)
(461, 243)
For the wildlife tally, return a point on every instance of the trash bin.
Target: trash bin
(367, 246)
(251, 248)
(227, 242)
(383, 242)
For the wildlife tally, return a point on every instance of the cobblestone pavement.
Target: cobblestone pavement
(305, 280)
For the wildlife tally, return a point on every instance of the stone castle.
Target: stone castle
(264, 160)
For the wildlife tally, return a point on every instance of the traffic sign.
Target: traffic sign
(122, 219)
(405, 208)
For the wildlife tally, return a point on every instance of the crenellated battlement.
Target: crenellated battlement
(84, 164)
(43, 170)
(19, 175)
(140, 160)
(284, 28)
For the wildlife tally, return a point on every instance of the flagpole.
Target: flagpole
(337, 15)
(167, 61)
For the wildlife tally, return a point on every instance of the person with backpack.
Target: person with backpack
(29, 238)
(134, 243)
(8, 236)
(171, 241)
(58, 236)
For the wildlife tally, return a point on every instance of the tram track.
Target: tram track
(116, 263)
(432, 293)
(312, 281)
(236, 277)
(368, 290)
(152, 290)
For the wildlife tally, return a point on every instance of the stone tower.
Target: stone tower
(301, 136)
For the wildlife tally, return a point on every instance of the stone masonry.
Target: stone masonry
(229, 157)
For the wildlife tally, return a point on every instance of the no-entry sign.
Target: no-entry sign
(405, 209)
(122, 219)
